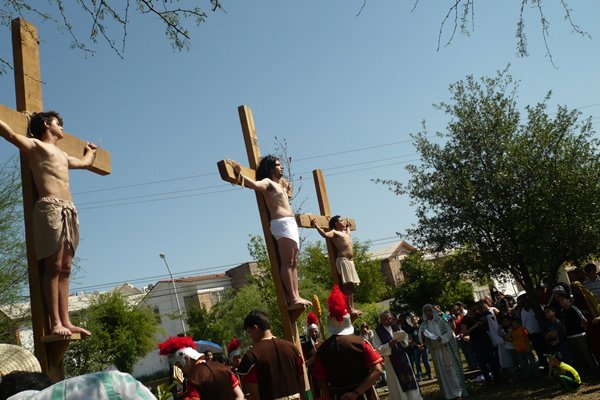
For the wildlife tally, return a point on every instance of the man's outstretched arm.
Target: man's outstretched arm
(87, 160)
(24, 144)
(259, 186)
(326, 235)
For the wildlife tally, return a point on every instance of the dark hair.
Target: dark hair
(562, 295)
(19, 381)
(266, 165)
(36, 123)
(590, 267)
(333, 221)
(258, 318)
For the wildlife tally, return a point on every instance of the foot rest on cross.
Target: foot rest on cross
(296, 310)
(60, 338)
(56, 346)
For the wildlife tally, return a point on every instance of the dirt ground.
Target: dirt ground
(542, 388)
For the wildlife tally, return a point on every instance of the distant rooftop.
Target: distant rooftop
(199, 278)
(390, 250)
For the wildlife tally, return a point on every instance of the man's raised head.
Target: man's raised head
(266, 166)
(38, 122)
(334, 220)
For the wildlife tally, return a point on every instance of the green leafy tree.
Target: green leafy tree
(227, 316)
(373, 287)
(515, 196)
(198, 320)
(122, 333)
(13, 256)
(264, 282)
(314, 271)
(427, 282)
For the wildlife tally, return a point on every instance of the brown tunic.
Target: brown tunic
(213, 381)
(343, 357)
(276, 364)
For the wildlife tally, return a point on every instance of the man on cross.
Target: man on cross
(55, 223)
(339, 234)
(275, 191)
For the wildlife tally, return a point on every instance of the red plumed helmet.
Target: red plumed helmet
(337, 304)
(172, 344)
(233, 345)
(311, 318)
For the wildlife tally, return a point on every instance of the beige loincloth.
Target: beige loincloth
(54, 223)
(285, 227)
(347, 271)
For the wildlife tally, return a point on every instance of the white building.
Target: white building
(192, 292)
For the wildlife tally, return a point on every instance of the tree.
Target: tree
(225, 319)
(461, 17)
(373, 287)
(122, 334)
(198, 320)
(110, 19)
(514, 196)
(13, 255)
(264, 282)
(427, 282)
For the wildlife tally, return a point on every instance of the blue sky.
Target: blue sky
(344, 91)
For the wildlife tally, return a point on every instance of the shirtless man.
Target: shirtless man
(275, 191)
(55, 224)
(339, 234)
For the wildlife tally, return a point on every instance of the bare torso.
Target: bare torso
(50, 168)
(343, 244)
(277, 201)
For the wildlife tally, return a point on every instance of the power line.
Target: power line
(146, 183)
(204, 271)
(215, 173)
(123, 201)
(353, 150)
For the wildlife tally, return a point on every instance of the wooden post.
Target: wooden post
(288, 317)
(49, 349)
(303, 220)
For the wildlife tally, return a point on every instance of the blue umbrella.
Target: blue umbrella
(206, 345)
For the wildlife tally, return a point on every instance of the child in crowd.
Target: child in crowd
(504, 331)
(523, 355)
(556, 336)
(568, 378)
(576, 324)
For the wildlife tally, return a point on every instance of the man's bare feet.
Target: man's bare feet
(355, 312)
(61, 330)
(77, 329)
(299, 303)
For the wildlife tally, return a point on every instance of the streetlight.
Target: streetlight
(164, 258)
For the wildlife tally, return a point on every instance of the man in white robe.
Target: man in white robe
(391, 341)
(438, 336)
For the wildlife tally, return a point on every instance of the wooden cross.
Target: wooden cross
(49, 349)
(322, 221)
(288, 317)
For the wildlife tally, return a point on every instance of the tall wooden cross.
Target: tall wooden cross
(49, 349)
(322, 221)
(288, 317)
